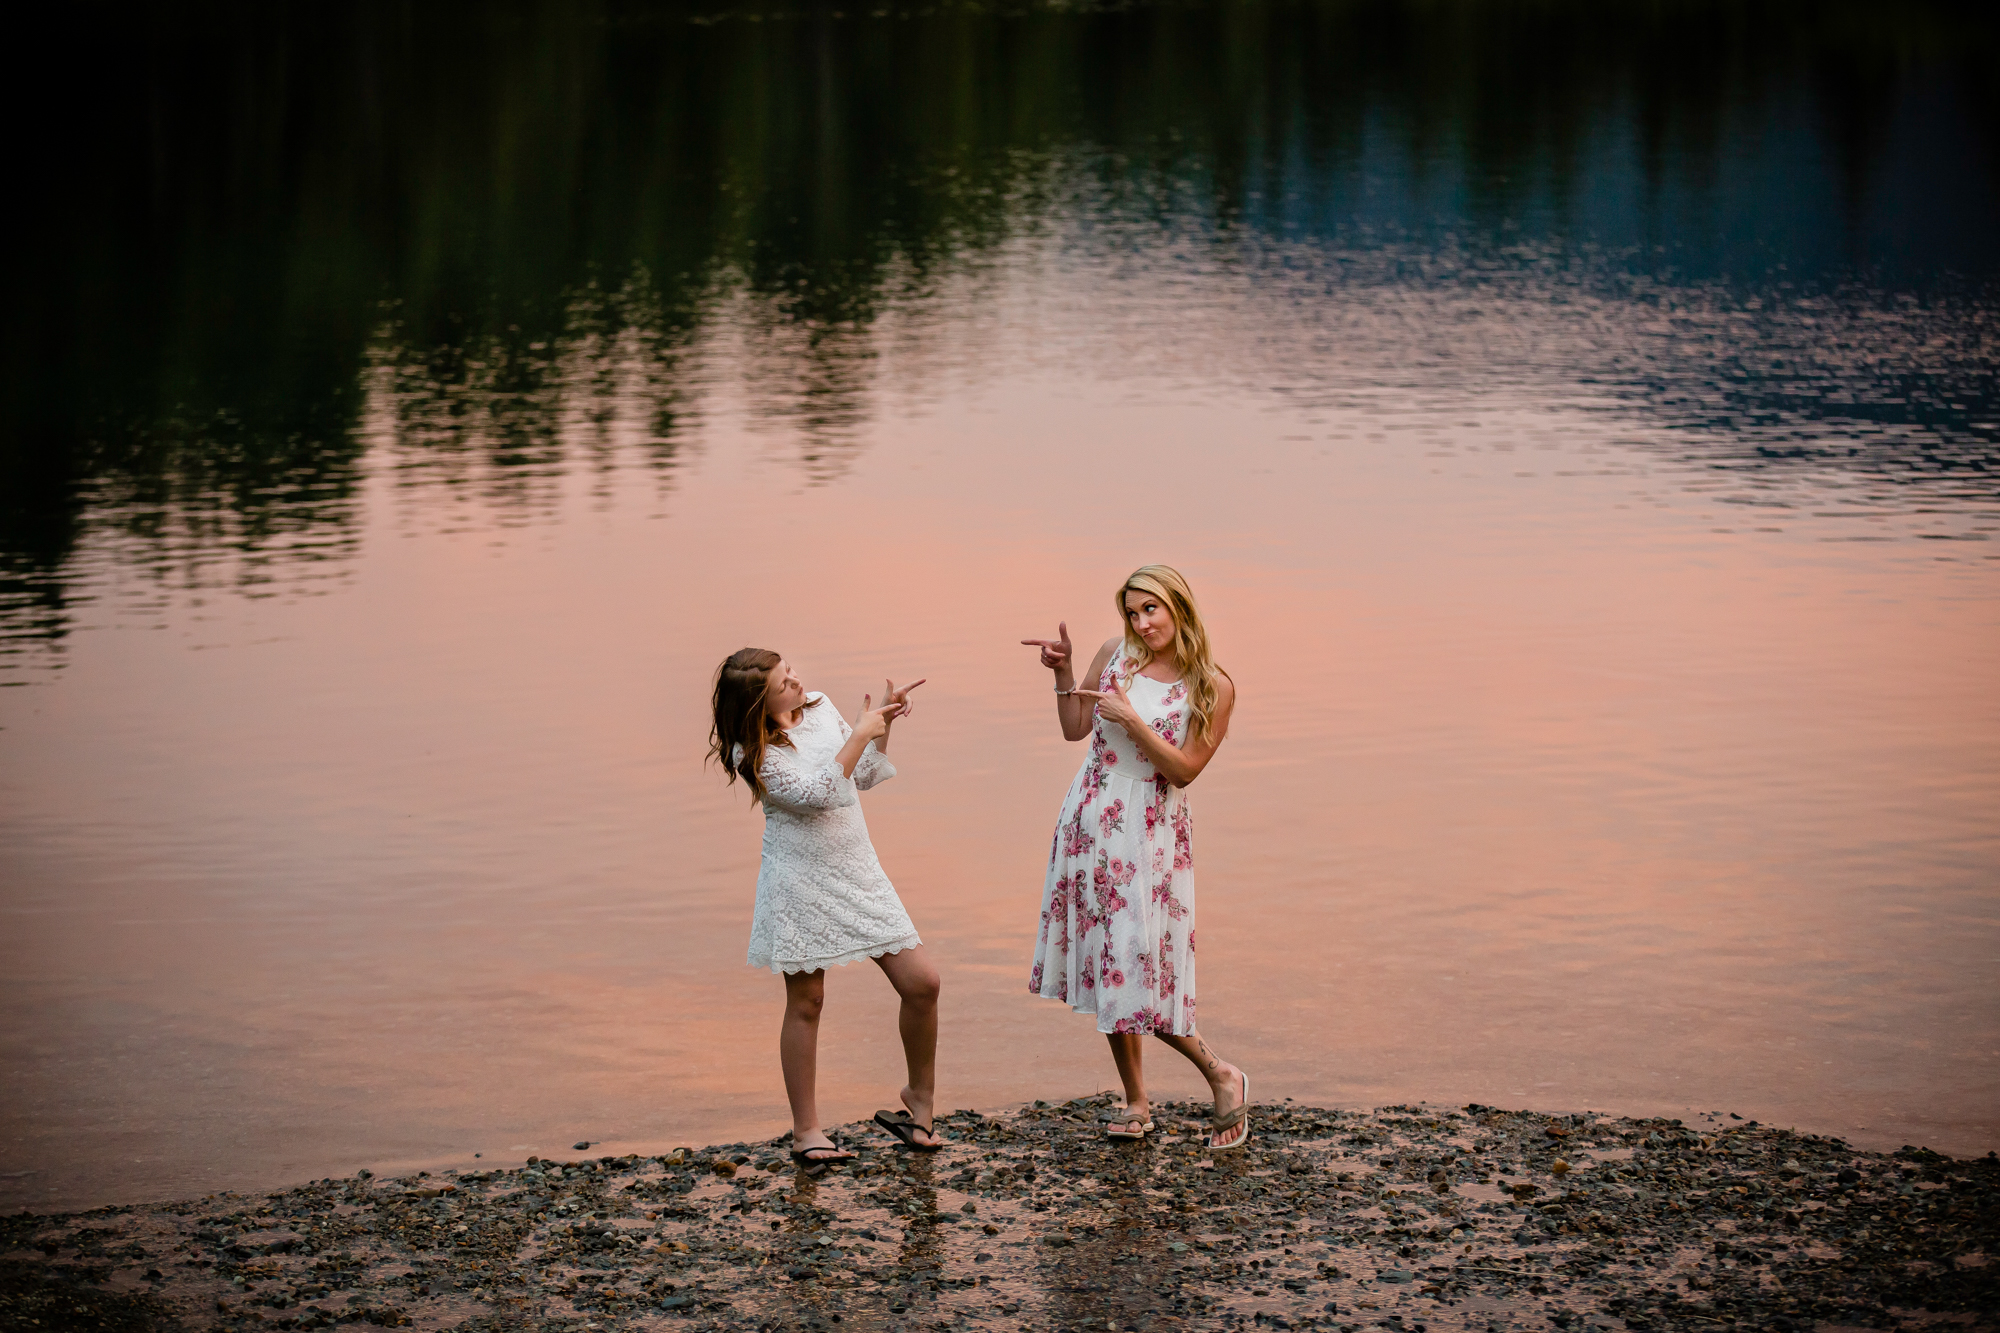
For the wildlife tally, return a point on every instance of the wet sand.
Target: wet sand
(1407, 1217)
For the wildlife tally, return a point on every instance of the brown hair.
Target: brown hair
(742, 683)
(1190, 651)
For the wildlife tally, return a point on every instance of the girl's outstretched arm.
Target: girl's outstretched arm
(892, 695)
(790, 784)
(871, 725)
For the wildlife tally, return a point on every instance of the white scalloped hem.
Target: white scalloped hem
(842, 960)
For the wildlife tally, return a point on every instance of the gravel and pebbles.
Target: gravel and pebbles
(1412, 1218)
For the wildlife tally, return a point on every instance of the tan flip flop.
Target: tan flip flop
(1115, 1121)
(1230, 1119)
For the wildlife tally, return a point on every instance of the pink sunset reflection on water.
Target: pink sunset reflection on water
(1542, 792)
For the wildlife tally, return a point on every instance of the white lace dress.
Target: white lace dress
(822, 899)
(1117, 936)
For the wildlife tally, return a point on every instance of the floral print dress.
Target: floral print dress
(1117, 934)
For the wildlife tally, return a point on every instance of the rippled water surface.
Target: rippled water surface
(1581, 433)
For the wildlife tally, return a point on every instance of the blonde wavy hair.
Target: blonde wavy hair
(1191, 654)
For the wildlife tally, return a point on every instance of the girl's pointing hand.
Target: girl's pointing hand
(873, 724)
(901, 698)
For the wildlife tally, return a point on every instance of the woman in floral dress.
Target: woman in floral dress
(1117, 937)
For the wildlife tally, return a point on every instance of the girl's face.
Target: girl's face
(783, 693)
(1150, 620)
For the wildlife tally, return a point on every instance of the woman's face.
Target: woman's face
(1150, 620)
(783, 694)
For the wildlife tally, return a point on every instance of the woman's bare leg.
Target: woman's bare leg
(798, 1055)
(916, 980)
(1225, 1083)
(1128, 1052)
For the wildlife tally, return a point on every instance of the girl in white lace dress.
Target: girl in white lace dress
(1117, 935)
(822, 899)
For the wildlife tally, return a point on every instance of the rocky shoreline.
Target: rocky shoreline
(1414, 1218)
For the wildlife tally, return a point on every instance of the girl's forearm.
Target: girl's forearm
(850, 753)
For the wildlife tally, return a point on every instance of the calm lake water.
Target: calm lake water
(1581, 431)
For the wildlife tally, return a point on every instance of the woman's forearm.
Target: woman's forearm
(1072, 712)
(1167, 757)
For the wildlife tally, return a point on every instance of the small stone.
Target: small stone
(582, 1145)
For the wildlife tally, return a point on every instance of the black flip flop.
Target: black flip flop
(905, 1127)
(819, 1166)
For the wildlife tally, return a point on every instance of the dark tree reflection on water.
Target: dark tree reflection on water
(490, 247)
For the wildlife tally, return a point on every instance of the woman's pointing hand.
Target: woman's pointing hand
(1114, 705)
(1055, 652)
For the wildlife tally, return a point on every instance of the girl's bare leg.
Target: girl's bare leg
(916, 980)
(1128, 1052)
(1225, 1082)
(798, 1055)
